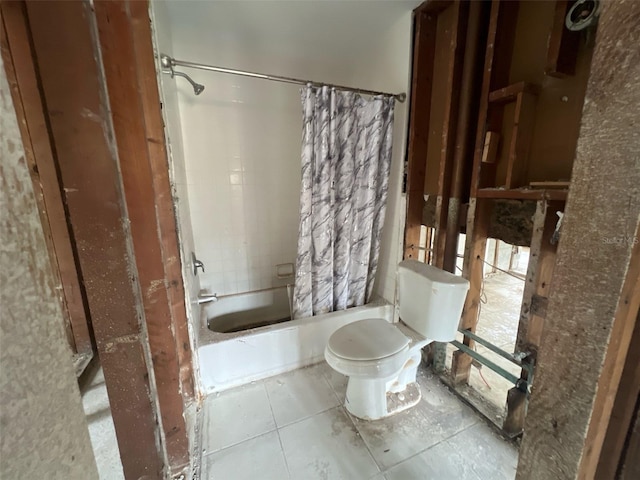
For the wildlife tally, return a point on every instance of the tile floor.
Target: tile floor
(101, 430)
(293, 426)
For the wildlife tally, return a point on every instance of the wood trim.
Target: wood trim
(125, 37)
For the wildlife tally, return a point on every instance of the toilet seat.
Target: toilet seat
(371, 348)
(365, 340)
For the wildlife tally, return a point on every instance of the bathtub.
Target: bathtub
(235, 313)
(236, 357)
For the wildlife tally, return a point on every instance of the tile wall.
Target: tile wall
(242, 136)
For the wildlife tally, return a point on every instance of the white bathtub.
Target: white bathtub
(228, 360)
(248, 310)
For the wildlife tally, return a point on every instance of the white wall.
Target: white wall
(388, 68)
(242, 136)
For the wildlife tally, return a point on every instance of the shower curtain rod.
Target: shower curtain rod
(170, 62)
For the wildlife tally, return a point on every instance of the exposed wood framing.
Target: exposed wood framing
(629, 468)
(521, 134)
(424, 44)
(449, 125)
(79, 127)
(473, 269)
(127, 52)
(563, 43)
(495, 76)
(22, 76)
(622, 413)
(595, 300)
(542, 259)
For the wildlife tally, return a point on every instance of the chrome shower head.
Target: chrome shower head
(167, 63)
(197, 88)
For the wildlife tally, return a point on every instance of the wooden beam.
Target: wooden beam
(130, 74)
(18, 58)
(626, 403)
(511, 92)
(562, 54)
(522, 194)
(424, 44)
(477, 228)
(464, 136)
(542, 259)
(80, 128)
(596, 293)
(521, 135)
(167, 221)
(449, 123)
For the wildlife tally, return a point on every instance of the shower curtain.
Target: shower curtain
(346, 157)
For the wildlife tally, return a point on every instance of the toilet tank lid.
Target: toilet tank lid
(432, 273)
(370, 339)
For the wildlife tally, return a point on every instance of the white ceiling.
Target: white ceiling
(332, 31)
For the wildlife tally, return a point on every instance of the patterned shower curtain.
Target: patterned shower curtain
(346, 157)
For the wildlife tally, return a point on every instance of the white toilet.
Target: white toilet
(380, 358)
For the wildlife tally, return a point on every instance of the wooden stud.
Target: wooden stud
(139, 137)
(516, 412)
(490, 150)
(518, 154)
(542, 258)
(80, 128)
(421, 87)
(473, 270)
(511, 92)
(626, 403)
(23, 79)
(562, 54)
(522, 194)
(449, 123)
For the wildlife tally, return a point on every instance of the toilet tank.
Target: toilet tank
(430, 300)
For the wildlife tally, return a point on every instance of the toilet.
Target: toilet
(381, 359)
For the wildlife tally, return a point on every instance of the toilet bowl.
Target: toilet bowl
(380, 358)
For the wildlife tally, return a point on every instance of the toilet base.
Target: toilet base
(375, 398)
(398, 402)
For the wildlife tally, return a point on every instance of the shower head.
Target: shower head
(197, 88)
(168, 63)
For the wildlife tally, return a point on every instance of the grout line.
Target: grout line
(366, 445)
(429, 447)
(207, 413)
(284, 456)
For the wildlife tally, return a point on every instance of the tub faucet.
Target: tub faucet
(207, 297)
